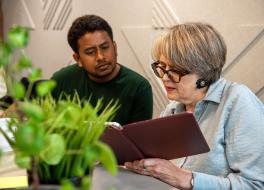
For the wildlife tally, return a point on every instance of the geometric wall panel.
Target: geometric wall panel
(260, 92)
(134, 37)
(56, 14)
(162, 15)
(18, 13)
(241, 22)
(250, 33)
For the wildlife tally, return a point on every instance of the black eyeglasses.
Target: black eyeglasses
(161, 71)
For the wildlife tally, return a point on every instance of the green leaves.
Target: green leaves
(24, 62)
(33, 111)
(54, 149)
(86, 183)
(5, 54)
(10, 50)
(66, 185)
(18, 91)
(102, 152)
(107, 158)
(63, 133)
(91, 154)
(30, 139)
(35, 74)
(45, 87)
(23, 160)
(18, 37)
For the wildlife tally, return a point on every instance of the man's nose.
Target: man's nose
(99, 55)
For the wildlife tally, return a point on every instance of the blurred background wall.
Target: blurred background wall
(1, 21)
(135, 25)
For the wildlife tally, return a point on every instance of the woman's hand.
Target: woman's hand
(163, 170)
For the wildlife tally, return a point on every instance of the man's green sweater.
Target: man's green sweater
(132, 91)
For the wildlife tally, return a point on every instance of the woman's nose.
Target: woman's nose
(165, 77)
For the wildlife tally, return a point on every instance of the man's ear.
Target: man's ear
(115, 47)
(76, 57)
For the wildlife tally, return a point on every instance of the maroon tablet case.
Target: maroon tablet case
(167, 137)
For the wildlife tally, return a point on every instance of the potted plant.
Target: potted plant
(54, 140)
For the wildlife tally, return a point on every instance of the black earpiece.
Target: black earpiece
(201, 83)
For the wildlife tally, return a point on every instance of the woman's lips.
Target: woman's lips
(169, 89)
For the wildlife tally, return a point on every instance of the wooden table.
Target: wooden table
(126, 180)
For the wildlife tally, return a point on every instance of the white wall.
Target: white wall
(135, 24)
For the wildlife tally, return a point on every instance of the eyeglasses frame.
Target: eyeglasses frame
(154, 67)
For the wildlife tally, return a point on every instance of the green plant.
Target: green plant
(54, 140)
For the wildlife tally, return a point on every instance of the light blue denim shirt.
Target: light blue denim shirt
(231, 119)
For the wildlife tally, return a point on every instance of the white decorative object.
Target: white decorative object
(4, 145)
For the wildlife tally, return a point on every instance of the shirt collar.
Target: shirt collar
(215, 91)
(214, 94)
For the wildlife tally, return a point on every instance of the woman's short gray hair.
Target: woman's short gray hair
(193, 48)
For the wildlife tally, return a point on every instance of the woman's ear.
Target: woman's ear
(201, 83)
(76, 57)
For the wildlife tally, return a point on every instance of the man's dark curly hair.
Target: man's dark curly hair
(84, 24)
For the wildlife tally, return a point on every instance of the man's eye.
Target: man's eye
(90, 52)
(104, 47)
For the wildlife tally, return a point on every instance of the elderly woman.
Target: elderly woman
(189, 61)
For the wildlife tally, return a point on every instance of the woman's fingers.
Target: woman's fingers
(145, 167)
(161, 169)
(138, 167)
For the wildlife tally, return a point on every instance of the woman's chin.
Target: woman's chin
(172, 96)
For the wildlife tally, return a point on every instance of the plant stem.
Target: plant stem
(35, 174)
(29, 90)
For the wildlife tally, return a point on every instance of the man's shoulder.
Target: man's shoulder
(68, 71)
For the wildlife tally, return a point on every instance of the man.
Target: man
(98, 75)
